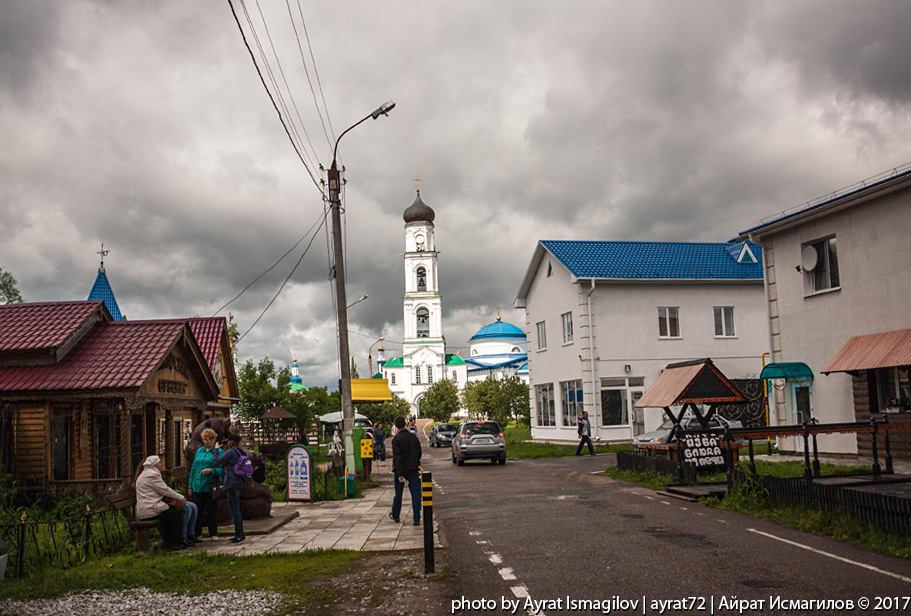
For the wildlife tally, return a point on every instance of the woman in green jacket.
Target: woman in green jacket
(203, 475)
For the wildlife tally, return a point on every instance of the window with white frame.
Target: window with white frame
(819, 261)
(423, 323)
(392, 378)
(669, 322)
(417, 375)
(544, 401)
(430, 374)
(571, 401)
(567, 318)
(724, 322)
(542, 336)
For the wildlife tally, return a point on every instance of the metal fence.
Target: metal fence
(639, 460)
(33, 545)
(881, 509)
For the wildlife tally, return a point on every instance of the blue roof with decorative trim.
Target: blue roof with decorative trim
(101, 290)
(674, 260)
(498, 330)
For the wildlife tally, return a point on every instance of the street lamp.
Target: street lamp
(358, 301)
(343, 354)
(370, 357)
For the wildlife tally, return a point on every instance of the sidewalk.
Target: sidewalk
(350, 524)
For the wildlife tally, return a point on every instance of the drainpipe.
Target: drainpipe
(591, 350)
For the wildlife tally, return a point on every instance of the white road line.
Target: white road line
(474, 533)
(830, 555)
(507, 574)
(664, 502)
(495, 558)
(722, 521)
(519, 591)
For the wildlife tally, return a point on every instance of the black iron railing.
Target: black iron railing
(33, 545)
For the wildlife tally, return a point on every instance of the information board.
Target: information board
(300, 475)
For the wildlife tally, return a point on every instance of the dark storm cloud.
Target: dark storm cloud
(144, 125)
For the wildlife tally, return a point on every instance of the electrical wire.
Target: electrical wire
(271, 98)
(281, 288)
(281, 71)
(300, 49)
(296, 244)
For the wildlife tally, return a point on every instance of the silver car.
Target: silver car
(689, 422)
(479, 439)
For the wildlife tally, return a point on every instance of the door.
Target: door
(61, 433)
(802, 408)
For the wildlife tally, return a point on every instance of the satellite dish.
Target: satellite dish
(809, 258)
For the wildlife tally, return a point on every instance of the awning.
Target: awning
(370, 390)
(873, 351)
(696, 381)
(787, 370)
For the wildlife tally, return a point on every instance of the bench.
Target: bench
(124, 501)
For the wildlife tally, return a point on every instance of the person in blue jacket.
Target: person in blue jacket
(233, 483)
(203, 476)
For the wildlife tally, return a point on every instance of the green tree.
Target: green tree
(498, 400)
(515, 392)
(441, 400)
(257, 393)
(386, 412)
(9, 294)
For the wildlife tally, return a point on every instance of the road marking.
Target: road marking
(830, 555)
(519, 591)
(507, 574)
(474, 533)
(664, 502)
(722, 521)
(495, 558)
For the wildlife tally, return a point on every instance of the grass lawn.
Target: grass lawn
(519, 445)
(288, 574)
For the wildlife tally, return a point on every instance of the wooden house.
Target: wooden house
(84, 398)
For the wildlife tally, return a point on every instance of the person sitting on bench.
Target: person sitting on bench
(156, 501)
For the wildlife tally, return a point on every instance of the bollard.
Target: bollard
(427, 501)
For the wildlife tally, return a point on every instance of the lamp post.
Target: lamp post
(342, 308)
(370, 357)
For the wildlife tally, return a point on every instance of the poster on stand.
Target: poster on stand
(300, 477)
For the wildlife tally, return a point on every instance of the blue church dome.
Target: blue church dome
(497, 331)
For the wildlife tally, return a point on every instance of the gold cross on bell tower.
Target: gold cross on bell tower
(417, 182)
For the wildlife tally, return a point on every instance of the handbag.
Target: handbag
(219, 491)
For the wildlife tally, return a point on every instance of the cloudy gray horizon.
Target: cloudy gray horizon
(145, 126)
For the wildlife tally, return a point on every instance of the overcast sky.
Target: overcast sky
(144, 125)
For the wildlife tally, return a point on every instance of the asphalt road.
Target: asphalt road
(550, 530)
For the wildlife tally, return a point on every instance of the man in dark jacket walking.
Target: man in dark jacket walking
(585, 434)
(406, 462)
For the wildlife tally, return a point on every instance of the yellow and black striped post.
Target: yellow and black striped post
(427, 500)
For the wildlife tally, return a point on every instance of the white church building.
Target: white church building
(424, 359)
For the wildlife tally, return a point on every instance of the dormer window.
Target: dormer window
(422, 279)
(423, 323)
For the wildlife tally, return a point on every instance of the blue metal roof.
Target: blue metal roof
(498, 329)
(101, 290)
(668, 260)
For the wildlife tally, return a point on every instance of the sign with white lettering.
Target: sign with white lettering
(300, 477)
(703, 450)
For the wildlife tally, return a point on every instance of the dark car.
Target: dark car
(441, 434)
(479, 439)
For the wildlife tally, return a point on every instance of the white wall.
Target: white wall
(626, 333)
(874, 254)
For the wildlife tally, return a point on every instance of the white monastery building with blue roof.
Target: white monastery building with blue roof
(605, 317)
(498, 350)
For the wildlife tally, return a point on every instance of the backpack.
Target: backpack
(244, 465)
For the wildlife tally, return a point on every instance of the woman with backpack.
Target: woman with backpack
(233, 459)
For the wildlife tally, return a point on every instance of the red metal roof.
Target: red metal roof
(873, 351)
(47, 325)
(114, 354)
(207, 331)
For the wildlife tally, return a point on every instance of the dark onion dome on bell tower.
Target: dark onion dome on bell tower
(418, 211)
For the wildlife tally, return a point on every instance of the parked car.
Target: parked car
(479, 439)
(441, 434)
(689, 422)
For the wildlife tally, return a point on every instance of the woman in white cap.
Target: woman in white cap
(156, 501)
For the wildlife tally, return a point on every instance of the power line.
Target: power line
(273, 265)
(331, 139)
(281, 288)
(271, 98)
